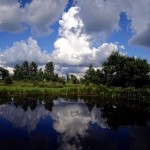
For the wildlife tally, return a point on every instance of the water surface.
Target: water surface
(73, 124)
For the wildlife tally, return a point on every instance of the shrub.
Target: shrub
(8, 81)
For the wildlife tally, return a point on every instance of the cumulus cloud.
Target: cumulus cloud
(39, 15)
(139, 14)
(10, 16)
(74, 48)
(142, 39)
(105, 15)
(21, 51)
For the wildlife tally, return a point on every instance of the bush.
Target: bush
(8, 81)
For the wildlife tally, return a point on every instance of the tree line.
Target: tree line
(27, 72)
(120, 71)
(117, 71)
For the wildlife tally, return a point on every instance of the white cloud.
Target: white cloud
(102, 15)
(74, 48)
(21, 51)
(39, 15)
(139, 14)
(10, 16)
(101, 18)
(105, 15)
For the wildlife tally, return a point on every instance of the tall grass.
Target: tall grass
(76, 90)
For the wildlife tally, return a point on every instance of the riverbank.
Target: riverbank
(49, 89)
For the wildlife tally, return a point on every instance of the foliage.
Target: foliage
(33, 70)
(74, 79)
(124, 71)
(120, 71)
(119, 76)
(4, 73)
(49, 68)
(8, 80)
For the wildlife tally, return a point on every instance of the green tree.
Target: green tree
(25, 69)
(17, 72)
(90, 75)
(33, 70)
(68, 79)
(49, 72)
(40, 74)
(8, 80)
(74, 79)
(4, 73)
(124, 71)
(49, 68)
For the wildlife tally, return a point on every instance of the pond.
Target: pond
(73, 124)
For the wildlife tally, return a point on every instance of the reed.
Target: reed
(79, 90)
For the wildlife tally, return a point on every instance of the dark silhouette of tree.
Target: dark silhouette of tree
(33, 70)
(124, 71)
(4, 73)
(93, 76)
(40, 74)
(25, 69)
(8, 80)
(68, 79)
(74, 79)
(49, 68)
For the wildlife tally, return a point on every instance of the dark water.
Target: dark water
(73, 124)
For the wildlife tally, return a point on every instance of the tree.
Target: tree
(49, 68)
(33, 70)
(8, 80)
(90, 75)
(124, 71)
(17, 72)
(25, 69)
(74, 79)
(4, 73)
(40, 74)
(68, 79)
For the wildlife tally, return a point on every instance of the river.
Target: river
(73, 124)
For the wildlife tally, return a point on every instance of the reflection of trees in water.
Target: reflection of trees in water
(78, 125)
(37, 142)
(29, 102)
(32, 102)
(5, 99)
(48, 103)
(25, 103)
(119, 112)
(123, 115)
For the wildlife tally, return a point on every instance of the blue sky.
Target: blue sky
(72, 33)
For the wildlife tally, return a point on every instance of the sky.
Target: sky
(72, 33)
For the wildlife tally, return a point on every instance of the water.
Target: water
(73, 124)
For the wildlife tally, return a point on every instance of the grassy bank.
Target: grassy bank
(48, 89)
